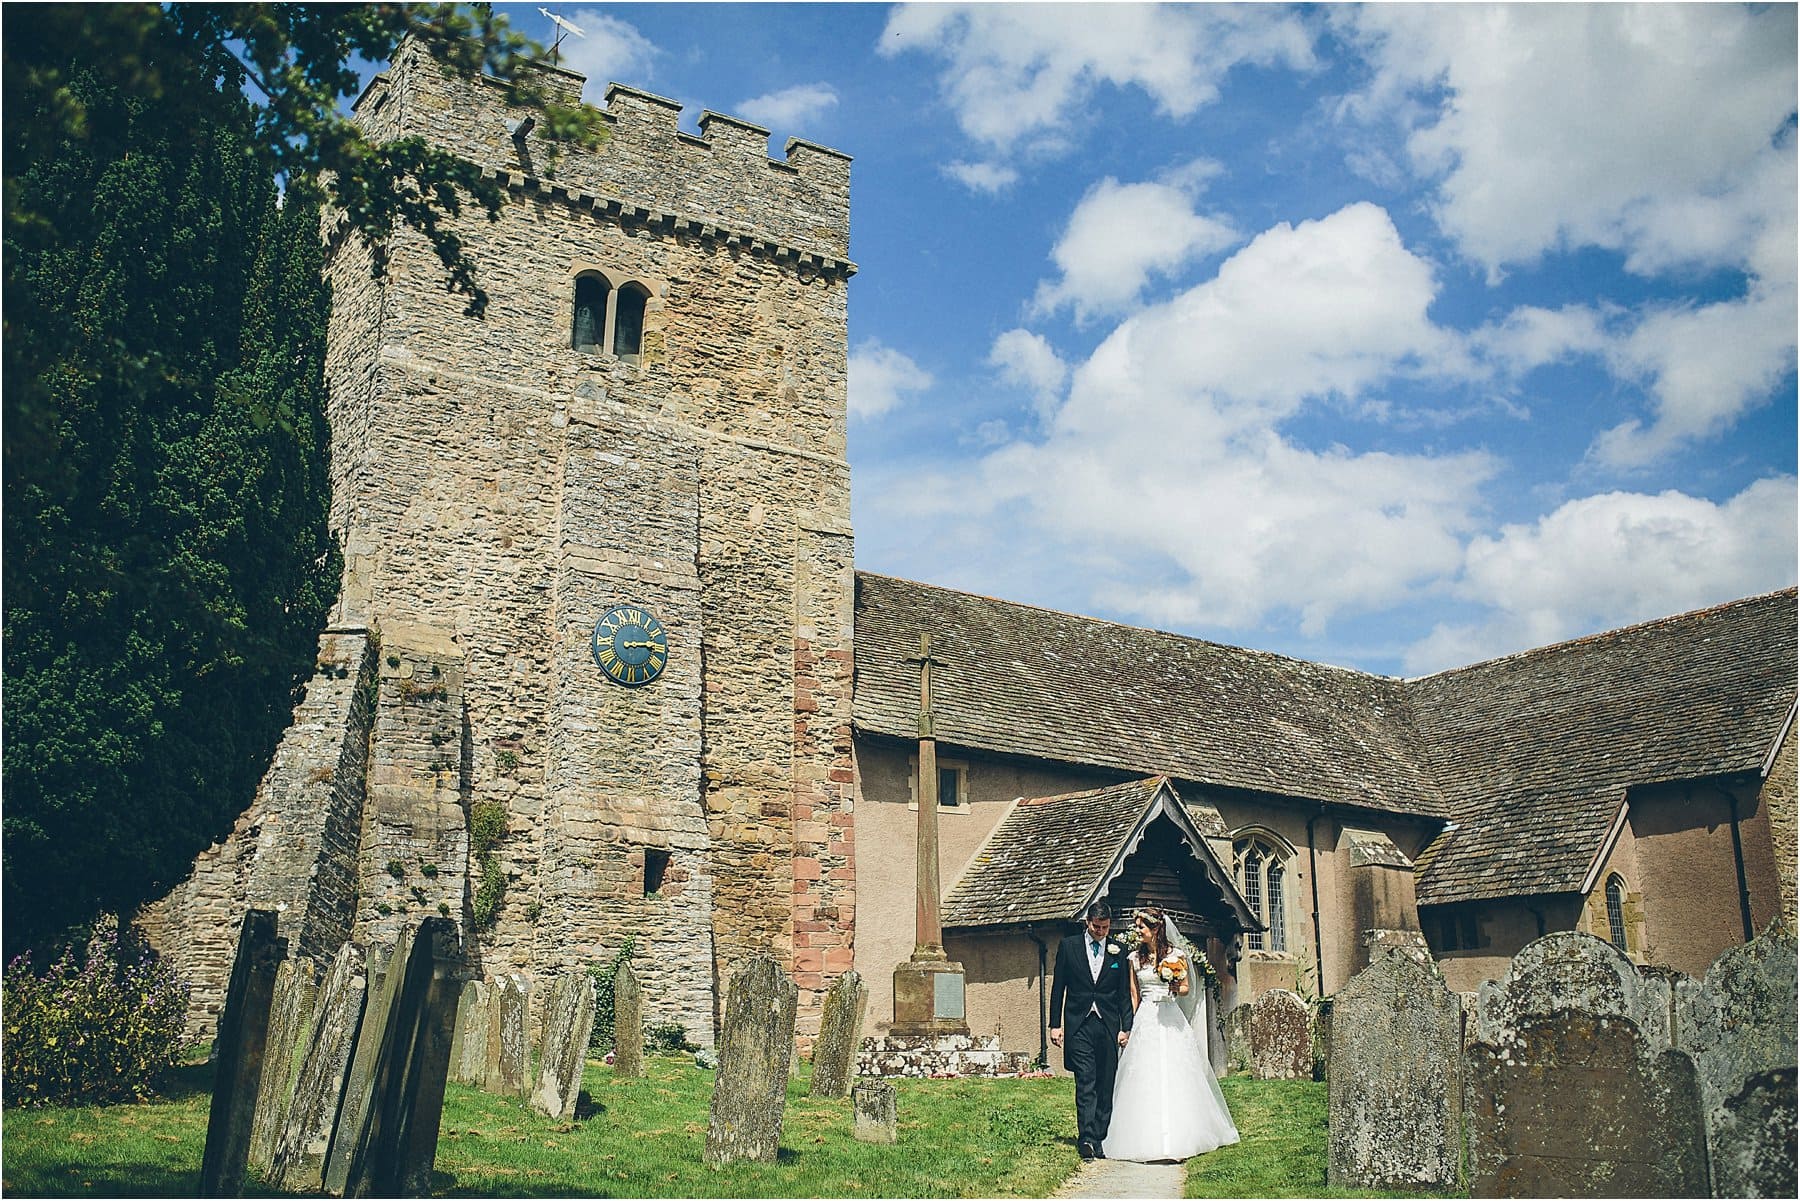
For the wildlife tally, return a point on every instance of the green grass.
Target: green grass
(974, 1138)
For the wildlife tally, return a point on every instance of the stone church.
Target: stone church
(602, 667)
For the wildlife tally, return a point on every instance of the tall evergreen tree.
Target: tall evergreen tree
(166, 563)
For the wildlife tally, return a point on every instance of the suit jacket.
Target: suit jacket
(1074, 986)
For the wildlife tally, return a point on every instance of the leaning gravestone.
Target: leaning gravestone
(750, 1090)
(242, 1039)
(299, 1165)
(1570, 1091)
(568, 1021)
(1280, 1037)
(1394, 1073)
(628, 1023)
(834, 1053)
(468, 1057)
(1739, 1026)
(507, 1045)
(291, 1015)
(877, 1118)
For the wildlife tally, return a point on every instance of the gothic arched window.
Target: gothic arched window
(1261, 870)
(589, 327)
(1615, 911)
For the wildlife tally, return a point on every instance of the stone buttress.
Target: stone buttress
(499, 489)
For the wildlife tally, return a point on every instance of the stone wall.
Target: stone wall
(497, 490)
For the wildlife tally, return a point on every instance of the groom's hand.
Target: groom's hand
(1056, 1036)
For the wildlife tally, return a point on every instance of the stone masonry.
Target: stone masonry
(498, 490)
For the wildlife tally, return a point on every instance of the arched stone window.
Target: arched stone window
(628, 325)
(588, 330)
(1262, 876)
(1615, 911)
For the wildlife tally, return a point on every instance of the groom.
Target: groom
(1093, 978)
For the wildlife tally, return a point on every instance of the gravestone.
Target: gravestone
(568, 1021)
(750, 1089)
(1237, 1040)
(1394, 1073)
(1739, 1026)
(834, 1053)
(349, 1136)
(407, 1101)
(239, 1052)
(1572, 1089)
(468, 1059)
(1280, 1036)
(299, 1162)
(507, 1053)
(628, 1023)
(876, 1112)
(291, 1015)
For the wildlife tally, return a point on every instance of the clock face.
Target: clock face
(630, 645)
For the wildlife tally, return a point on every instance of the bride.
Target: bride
(1166, 1103)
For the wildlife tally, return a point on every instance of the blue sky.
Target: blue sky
(1395, 337)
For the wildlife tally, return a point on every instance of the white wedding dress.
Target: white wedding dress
(1166, 1100)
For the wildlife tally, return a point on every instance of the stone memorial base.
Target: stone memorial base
(939, 1055)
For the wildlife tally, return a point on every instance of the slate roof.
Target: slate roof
(1021, 680)
(1535, 751)
(1050, 856)
(1529, 755)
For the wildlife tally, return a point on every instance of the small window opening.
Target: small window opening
(656, 867)
(590, 312)
(628, 323)
(1615, 911)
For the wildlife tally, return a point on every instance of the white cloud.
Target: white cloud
(1118, 237)
(1610, 560)
(879, 378)
(1017, 72)
(988, 178)
(790, 107)
(1648, 128)
(1167, 480)
(1028, 360)
(612, 52)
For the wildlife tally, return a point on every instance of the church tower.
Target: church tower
(589, 674)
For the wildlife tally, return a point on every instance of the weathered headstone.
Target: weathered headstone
(1567, 1093)
(568, 1020)
(1739, 1026)
(834, 1053)
(299, 1162)
(468, 1059)
(291, 1015)
(508, 1048)
(239, 1053)
(628, 1023)
(1237, 1039)
(350, 1134)
(407, 1103)
(1394, 1077)
(1280, 1036)
(876, 1114)
(750, 1090)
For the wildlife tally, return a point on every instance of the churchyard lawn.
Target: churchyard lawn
(979, 1138)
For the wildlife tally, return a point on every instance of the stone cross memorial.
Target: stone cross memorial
(750, 1091)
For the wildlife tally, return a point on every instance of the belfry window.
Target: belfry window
(1262, 878)
(589, 331)
(1615, 911)
(628, 325)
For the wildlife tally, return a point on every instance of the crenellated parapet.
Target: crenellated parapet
(721, 180)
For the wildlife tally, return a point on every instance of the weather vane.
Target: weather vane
(563, 29)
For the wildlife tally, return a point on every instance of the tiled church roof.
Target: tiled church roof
(1049, 856)
(1016, 679)
(1535, 751)
(1530, 755)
